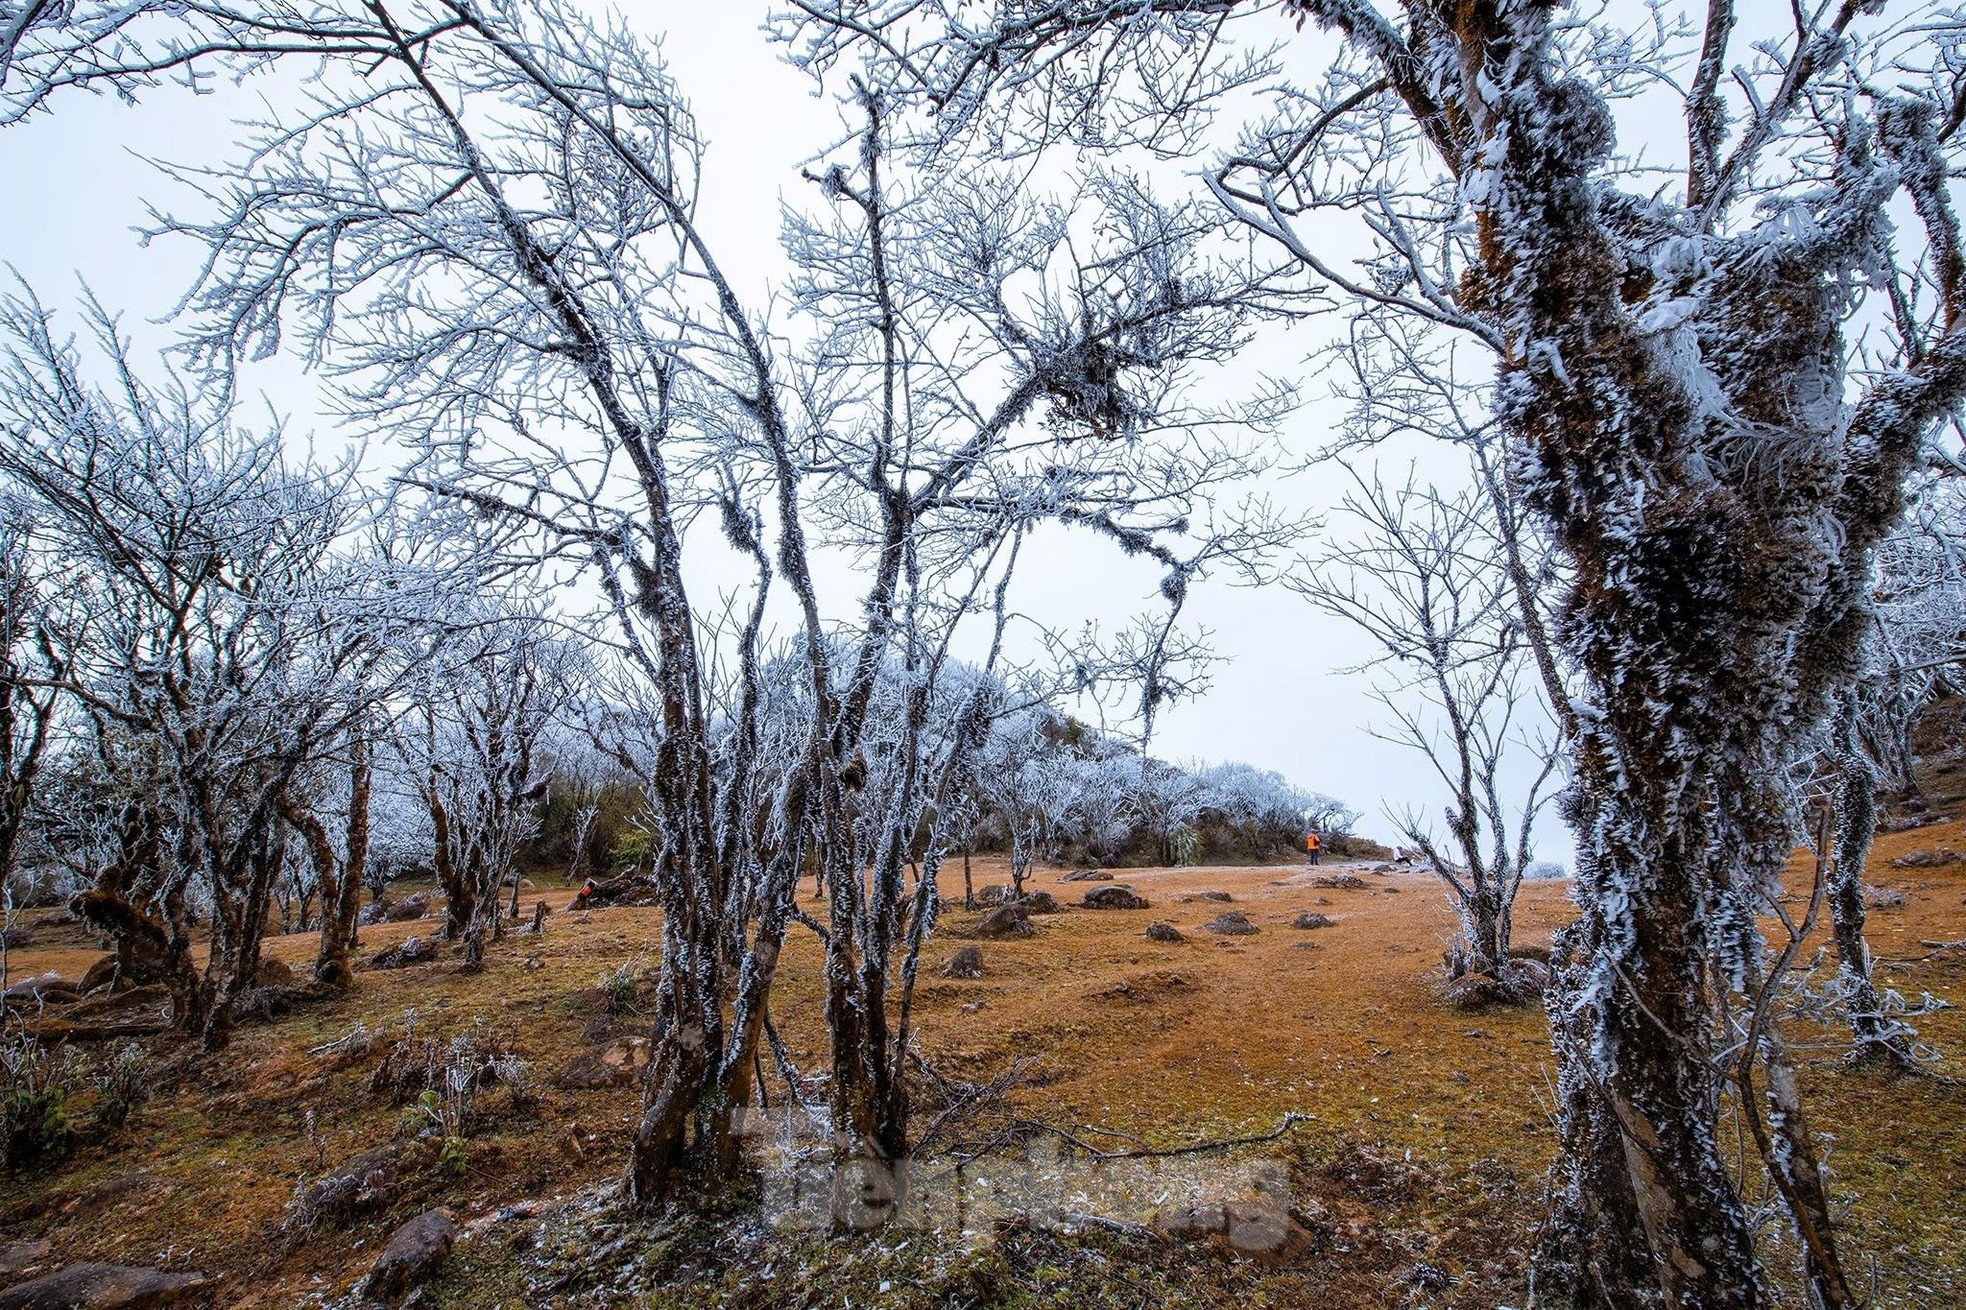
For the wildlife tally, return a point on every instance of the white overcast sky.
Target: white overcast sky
(79, 184)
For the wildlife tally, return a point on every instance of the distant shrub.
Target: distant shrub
(1545, 871)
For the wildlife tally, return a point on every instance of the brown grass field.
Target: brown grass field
(1417, 1167)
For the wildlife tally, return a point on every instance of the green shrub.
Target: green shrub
(35, 1085)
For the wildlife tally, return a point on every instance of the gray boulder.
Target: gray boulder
(93, 1286)
(1119, 896)
(414, 1252)
(965, 963)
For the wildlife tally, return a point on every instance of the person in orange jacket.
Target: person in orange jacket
(1310, 847)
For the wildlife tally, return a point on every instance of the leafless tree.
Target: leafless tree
(223, 630)
(1423, 578)
(1681, 405)
(597, 379)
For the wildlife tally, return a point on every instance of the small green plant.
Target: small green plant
(618, 987)
(122, 1084)
(35, 1085)
(453, 1156)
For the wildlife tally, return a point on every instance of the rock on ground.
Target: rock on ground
(370, 1181)
(1042, 903)
(1119, 896)
(1256, 1227)
(613, 1065)
(965, 963)
(405, 910)
(414, 1252)
(1089, 875)
(1231, 923)
(1312, 919)
(93, 1286)
(413, 950)
(1348, 881)
(1011, 920)
(1164, 932)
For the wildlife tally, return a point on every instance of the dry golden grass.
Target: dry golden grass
(1168, 1043)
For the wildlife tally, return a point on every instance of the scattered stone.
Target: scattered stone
(1042, 903)
(368, 1182)
(1303, 946)
(1936, 858)
(1216, 896)
(100, 974)
(965, 963)
(1089, 875)
(1884, 898)
(1119, 896)
(996, 893)
(94, 1286)
(412, 1256)
(1350, 882)
(532, 963)
(146, 1006)
(272, 1002)
(1389, 890)
(1256, 1227)
(1164, 932)
(1383, 868)
(1906, 822)
(46, 989)
(1312, 919)
(1011, 920)
(1145, 988)
(1322, 900)
(410, 907)
(411, 950)
(573, 1141)
(1231, 923)
(613, 1065)
(974, 1006)
(16, 1256)
(273, 973)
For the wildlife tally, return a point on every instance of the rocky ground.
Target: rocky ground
(1402, 1150)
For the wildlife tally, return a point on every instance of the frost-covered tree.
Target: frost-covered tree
(224, 632)
(1682, 406)
(485, 699)
(980, 363)
(1421, 573)
(32, 669)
